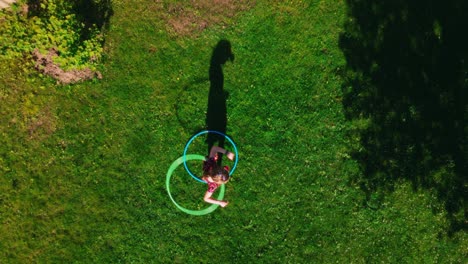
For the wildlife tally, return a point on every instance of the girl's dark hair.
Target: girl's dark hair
(218, 173)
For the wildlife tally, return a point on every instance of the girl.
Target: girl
(215, 175)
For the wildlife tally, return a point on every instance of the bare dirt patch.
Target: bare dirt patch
(46, 65)
(191, 17)
(42, 125)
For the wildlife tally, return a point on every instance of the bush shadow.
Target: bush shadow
(407, 75)
(216, 114)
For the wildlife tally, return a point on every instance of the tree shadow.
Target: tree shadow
(94, 12)
(407, 74)
(216, 114)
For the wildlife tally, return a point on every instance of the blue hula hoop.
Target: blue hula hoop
(206, 132)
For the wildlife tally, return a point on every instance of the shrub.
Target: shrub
(50, 24)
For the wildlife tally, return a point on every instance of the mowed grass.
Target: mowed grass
(84, 166)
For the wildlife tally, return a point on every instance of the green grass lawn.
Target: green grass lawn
(83, 166)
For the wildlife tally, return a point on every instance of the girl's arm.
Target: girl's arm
(215, 150)
(208, 199)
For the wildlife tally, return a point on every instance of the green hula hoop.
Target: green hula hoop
(176, 164)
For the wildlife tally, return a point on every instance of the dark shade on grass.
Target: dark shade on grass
(216, 114)
(407, 74)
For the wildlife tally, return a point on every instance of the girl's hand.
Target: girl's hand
(223, 203)
(230, 155)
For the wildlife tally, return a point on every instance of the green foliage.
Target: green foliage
(53, 25)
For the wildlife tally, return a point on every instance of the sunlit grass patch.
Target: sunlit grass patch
(88, 185)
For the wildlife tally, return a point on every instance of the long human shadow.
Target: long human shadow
(407, 74)
(216, 114)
